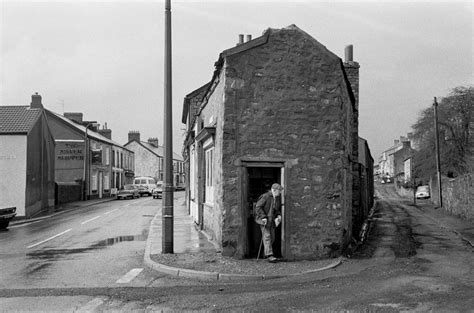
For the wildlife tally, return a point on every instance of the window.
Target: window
(107, 156)
(106, 182)
(209, 165)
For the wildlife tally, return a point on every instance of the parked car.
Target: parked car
(128, 192)
(422, 192)
(386, 180)
(6, 215)
(146, 183)
(158, 190)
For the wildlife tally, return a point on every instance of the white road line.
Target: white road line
(90, 220)
(50, 238)
(110, 211)
(129, 276)
(92, 305)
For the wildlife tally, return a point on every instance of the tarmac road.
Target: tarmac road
(416, 259)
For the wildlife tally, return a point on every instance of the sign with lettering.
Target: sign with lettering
(69, 155)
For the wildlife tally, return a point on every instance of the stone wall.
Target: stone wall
(458, 195)
(288, 100)
(213, 115)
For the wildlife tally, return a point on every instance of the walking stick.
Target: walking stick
(261, 243)
(260, 248)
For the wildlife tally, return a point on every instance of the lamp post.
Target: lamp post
(168, 206)
(86, 163)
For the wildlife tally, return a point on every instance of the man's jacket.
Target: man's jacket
(268, 208)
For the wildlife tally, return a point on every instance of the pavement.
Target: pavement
(195, 256)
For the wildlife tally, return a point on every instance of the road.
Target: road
(409, 263)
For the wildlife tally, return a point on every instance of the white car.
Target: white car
(422, 192)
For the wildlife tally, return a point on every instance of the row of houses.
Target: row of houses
(279, 108)
(48, 159)
(396, 161)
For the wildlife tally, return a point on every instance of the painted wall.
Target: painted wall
(39, 169)
(13, 166)
(146, 163)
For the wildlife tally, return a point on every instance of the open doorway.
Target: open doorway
(259, 181)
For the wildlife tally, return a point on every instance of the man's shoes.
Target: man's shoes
(272, 259)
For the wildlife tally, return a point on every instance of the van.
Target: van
(145, 185)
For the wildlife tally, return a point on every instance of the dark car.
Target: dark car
(158, 190)
(6, 215)
(128, 192)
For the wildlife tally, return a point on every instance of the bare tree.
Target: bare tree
(455, 119)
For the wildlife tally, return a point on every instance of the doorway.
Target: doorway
(259, 181)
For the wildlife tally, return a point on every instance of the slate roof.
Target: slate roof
(158, 151)
(82, 129)
(17, 119)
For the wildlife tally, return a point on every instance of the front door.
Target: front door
(101, 178)
(259, 181)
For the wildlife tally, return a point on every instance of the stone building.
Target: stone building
(279, 108)
(149, 156)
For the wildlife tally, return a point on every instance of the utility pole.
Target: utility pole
(412, 174)
(438, 166)
(168, 188)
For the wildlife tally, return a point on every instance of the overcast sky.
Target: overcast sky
(106, 58)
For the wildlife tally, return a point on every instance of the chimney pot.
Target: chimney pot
(349, 51)
(241, 39)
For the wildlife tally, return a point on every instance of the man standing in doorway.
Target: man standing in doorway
(268, 215)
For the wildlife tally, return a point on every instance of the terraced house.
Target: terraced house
(279, 108)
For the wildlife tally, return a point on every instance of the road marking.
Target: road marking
(129, 276)
(92, 305)
(90, 220)
(110, 211)
(50, 238)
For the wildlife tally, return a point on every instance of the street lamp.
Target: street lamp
(86, 163)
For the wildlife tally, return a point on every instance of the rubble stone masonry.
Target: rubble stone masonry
(288, 100)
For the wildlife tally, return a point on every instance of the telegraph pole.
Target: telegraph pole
(438, 165)
(167, 207)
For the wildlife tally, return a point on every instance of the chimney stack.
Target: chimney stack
(107, 133)
(249, 37)
(153, 141)
(134, 135)
(352, 72)
(36, 101)
(74, 116)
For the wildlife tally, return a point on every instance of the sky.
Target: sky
(106, 58)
